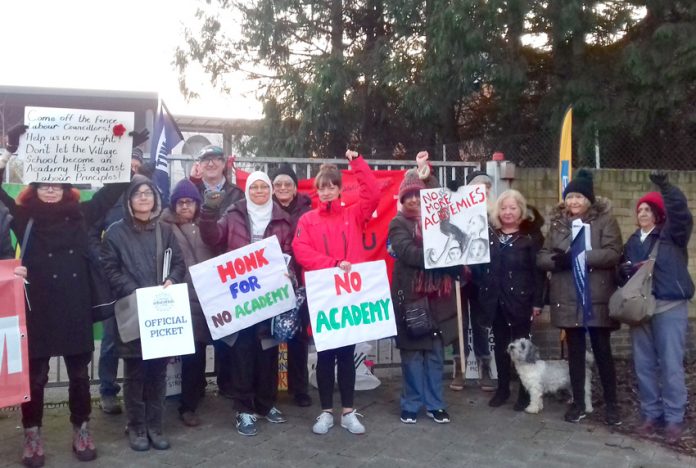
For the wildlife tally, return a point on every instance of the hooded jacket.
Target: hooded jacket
(671, 279)
(59, 315)
(331, 232)
(129, 254)
(601, 261)
(511, 284)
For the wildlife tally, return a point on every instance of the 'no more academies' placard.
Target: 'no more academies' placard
(76, 146)
(348, 308)
(455, 226)
(243, 287)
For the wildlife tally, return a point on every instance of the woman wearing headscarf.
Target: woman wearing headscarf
(253, 353)
(59, 319)
(580, 203)
(664, 222)
(128, 251)
(422, 358)
(327, 237)
(511, 287)
(295, 204)
(183, 216)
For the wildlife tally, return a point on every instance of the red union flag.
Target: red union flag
(14, 360)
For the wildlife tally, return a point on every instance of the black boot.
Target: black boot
(522, 399)
(500, 397)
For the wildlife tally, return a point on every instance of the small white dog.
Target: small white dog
(540, 377)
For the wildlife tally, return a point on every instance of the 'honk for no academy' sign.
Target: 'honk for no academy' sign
(243, 287)
(350, 307)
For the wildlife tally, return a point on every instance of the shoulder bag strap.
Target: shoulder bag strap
(653, 251)
(160, 253)
(25, 238)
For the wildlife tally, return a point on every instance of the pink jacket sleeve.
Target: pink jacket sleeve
(369, 189)
(306, 254)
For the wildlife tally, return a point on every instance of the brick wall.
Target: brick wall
(623, 188)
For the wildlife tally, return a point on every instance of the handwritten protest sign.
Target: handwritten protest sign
(76, 146)
(164, 316)
(455, 226)
(14, 353)
(243, 287)
(350, 307)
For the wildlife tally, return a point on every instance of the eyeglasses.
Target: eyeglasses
(279, 185)
(50, 187)
(145, 194)
(259, 188)
(185, 202)
(211, 159)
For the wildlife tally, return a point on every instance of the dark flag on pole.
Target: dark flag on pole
(580, 274)
(166, 136)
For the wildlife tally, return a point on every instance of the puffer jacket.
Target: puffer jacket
(332, 233)
(601, 261)
(129, 255)
(232, 232)
(194, 250)
(671, 278)
(409, 261)
(511, 283)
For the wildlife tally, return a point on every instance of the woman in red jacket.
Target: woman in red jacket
(327, 237)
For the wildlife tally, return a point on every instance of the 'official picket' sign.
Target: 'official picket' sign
(350, 307)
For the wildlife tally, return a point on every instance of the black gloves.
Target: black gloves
(13, 137)
(213, 199)
(659, 178)
(627, 269)
(139, 137)
(562, 260)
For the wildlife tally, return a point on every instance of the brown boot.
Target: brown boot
(486, 382)
(457, 383)
(33, 454)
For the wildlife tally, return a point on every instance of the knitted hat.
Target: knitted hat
(478, 177)
(137, 154)
(283, 169)
(582, 184)
(657, 205)
(411, 184)
(184, 189)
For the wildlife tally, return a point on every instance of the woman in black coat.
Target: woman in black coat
(129, 256)
(59, 320)
(422, 358)
(511, 286)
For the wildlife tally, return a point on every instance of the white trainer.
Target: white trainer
(350, 421)
(325, 421)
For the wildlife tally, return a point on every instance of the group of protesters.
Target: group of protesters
(208, 215)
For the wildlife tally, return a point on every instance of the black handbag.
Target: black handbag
(417, 318)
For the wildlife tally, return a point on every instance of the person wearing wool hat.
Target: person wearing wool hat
(665, 223)
(295, 204)
(253, 353)
(183, 217)
(580, 203)
(422, 358)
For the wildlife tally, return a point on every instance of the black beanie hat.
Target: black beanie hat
(582, 184)
(283, 169)
(474, 174)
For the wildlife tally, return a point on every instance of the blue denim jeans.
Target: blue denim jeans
(421, 376)
(108, 360)
(658, 358)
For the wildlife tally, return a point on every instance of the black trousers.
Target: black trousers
(601, 347)
(223, 366)
(503, 335)
(254, 374)
(342, 358)
(192, 379)
(144, 389)
(79, 399)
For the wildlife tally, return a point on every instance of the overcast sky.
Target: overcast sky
(125, 45)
